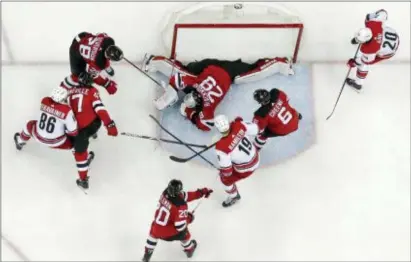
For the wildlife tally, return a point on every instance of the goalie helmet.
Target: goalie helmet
(59, 95)
(262, 96)
(192, 99)
(363, 35)
(222, 124)
(174, 188)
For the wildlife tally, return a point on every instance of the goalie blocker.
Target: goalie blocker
(240, 72)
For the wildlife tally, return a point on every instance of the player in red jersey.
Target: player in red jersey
(90, 56)
(172, 218)
(237, 156)
(378, 43)
(90, 112)
(206, 82)
(275, 117)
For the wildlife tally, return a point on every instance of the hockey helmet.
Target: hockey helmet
(363, 35)
(59, 94)
(222, 124)
(262, 96)
(174, 188)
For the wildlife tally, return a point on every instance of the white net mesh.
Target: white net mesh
(232, 30)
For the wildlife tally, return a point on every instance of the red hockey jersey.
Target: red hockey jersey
(212, 84)
(278, 117)
(171, 215)
(87, 106)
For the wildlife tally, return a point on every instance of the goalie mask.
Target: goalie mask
(262, 96)
(192, 99)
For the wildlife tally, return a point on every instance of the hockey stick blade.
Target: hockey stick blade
(179, 140)
(183, 160)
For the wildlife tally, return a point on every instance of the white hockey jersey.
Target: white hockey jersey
(236, 151)
(54, 122)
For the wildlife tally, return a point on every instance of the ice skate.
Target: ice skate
(231, 200)
(146, 63)
(19, 143)
(190, 252)
(147, 255)
(82, 183)
(353, 84)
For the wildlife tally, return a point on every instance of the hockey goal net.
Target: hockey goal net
(232, 30)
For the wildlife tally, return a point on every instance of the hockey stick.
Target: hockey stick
(343, 85)
(183, 160)
(161, 139)
(176, 138)
(144, 73)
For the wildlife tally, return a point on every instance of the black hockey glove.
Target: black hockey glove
(114, 53)
(354, 41)
(85, 78)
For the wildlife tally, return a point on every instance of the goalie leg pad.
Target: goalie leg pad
(269, 68)
(169, 98)
(165, 66)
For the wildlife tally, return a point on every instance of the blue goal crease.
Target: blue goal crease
(239, 102)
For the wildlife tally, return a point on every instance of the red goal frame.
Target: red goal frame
(299, 26)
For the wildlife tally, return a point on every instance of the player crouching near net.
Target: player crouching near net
(238, 158)
(378, 43)
(172, 218)
(207, 82)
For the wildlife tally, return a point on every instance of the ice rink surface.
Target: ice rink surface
(345, 198)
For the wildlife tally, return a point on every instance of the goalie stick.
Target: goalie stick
(179, 140)
(343, 85)
(161, 139)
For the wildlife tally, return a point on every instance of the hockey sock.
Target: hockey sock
(25, 134)
(231, 190)
(151, 244)
(82, 164)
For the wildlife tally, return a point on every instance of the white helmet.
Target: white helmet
(59, 95)
(222, 124)
(363, 35)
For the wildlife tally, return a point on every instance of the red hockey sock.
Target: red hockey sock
(82, 164)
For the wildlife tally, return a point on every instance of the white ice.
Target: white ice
(345, 198)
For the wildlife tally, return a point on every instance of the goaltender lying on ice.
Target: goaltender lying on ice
(206, 82)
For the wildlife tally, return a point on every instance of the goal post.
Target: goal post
(233, 30)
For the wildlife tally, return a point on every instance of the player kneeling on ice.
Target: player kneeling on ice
(207, 82)
(172, 218)
(90, 112)
(378, 43)
(275, 117)
(90, 56)
(237, 156)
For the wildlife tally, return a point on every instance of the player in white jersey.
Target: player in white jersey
(378, 42)
(54, 125)
(237, 156)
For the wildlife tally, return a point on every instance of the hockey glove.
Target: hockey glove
(205, 192)
(190, 217)
(354, 41)
(351, 63)
(112, 129)
(85, 78)
(111, 87)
